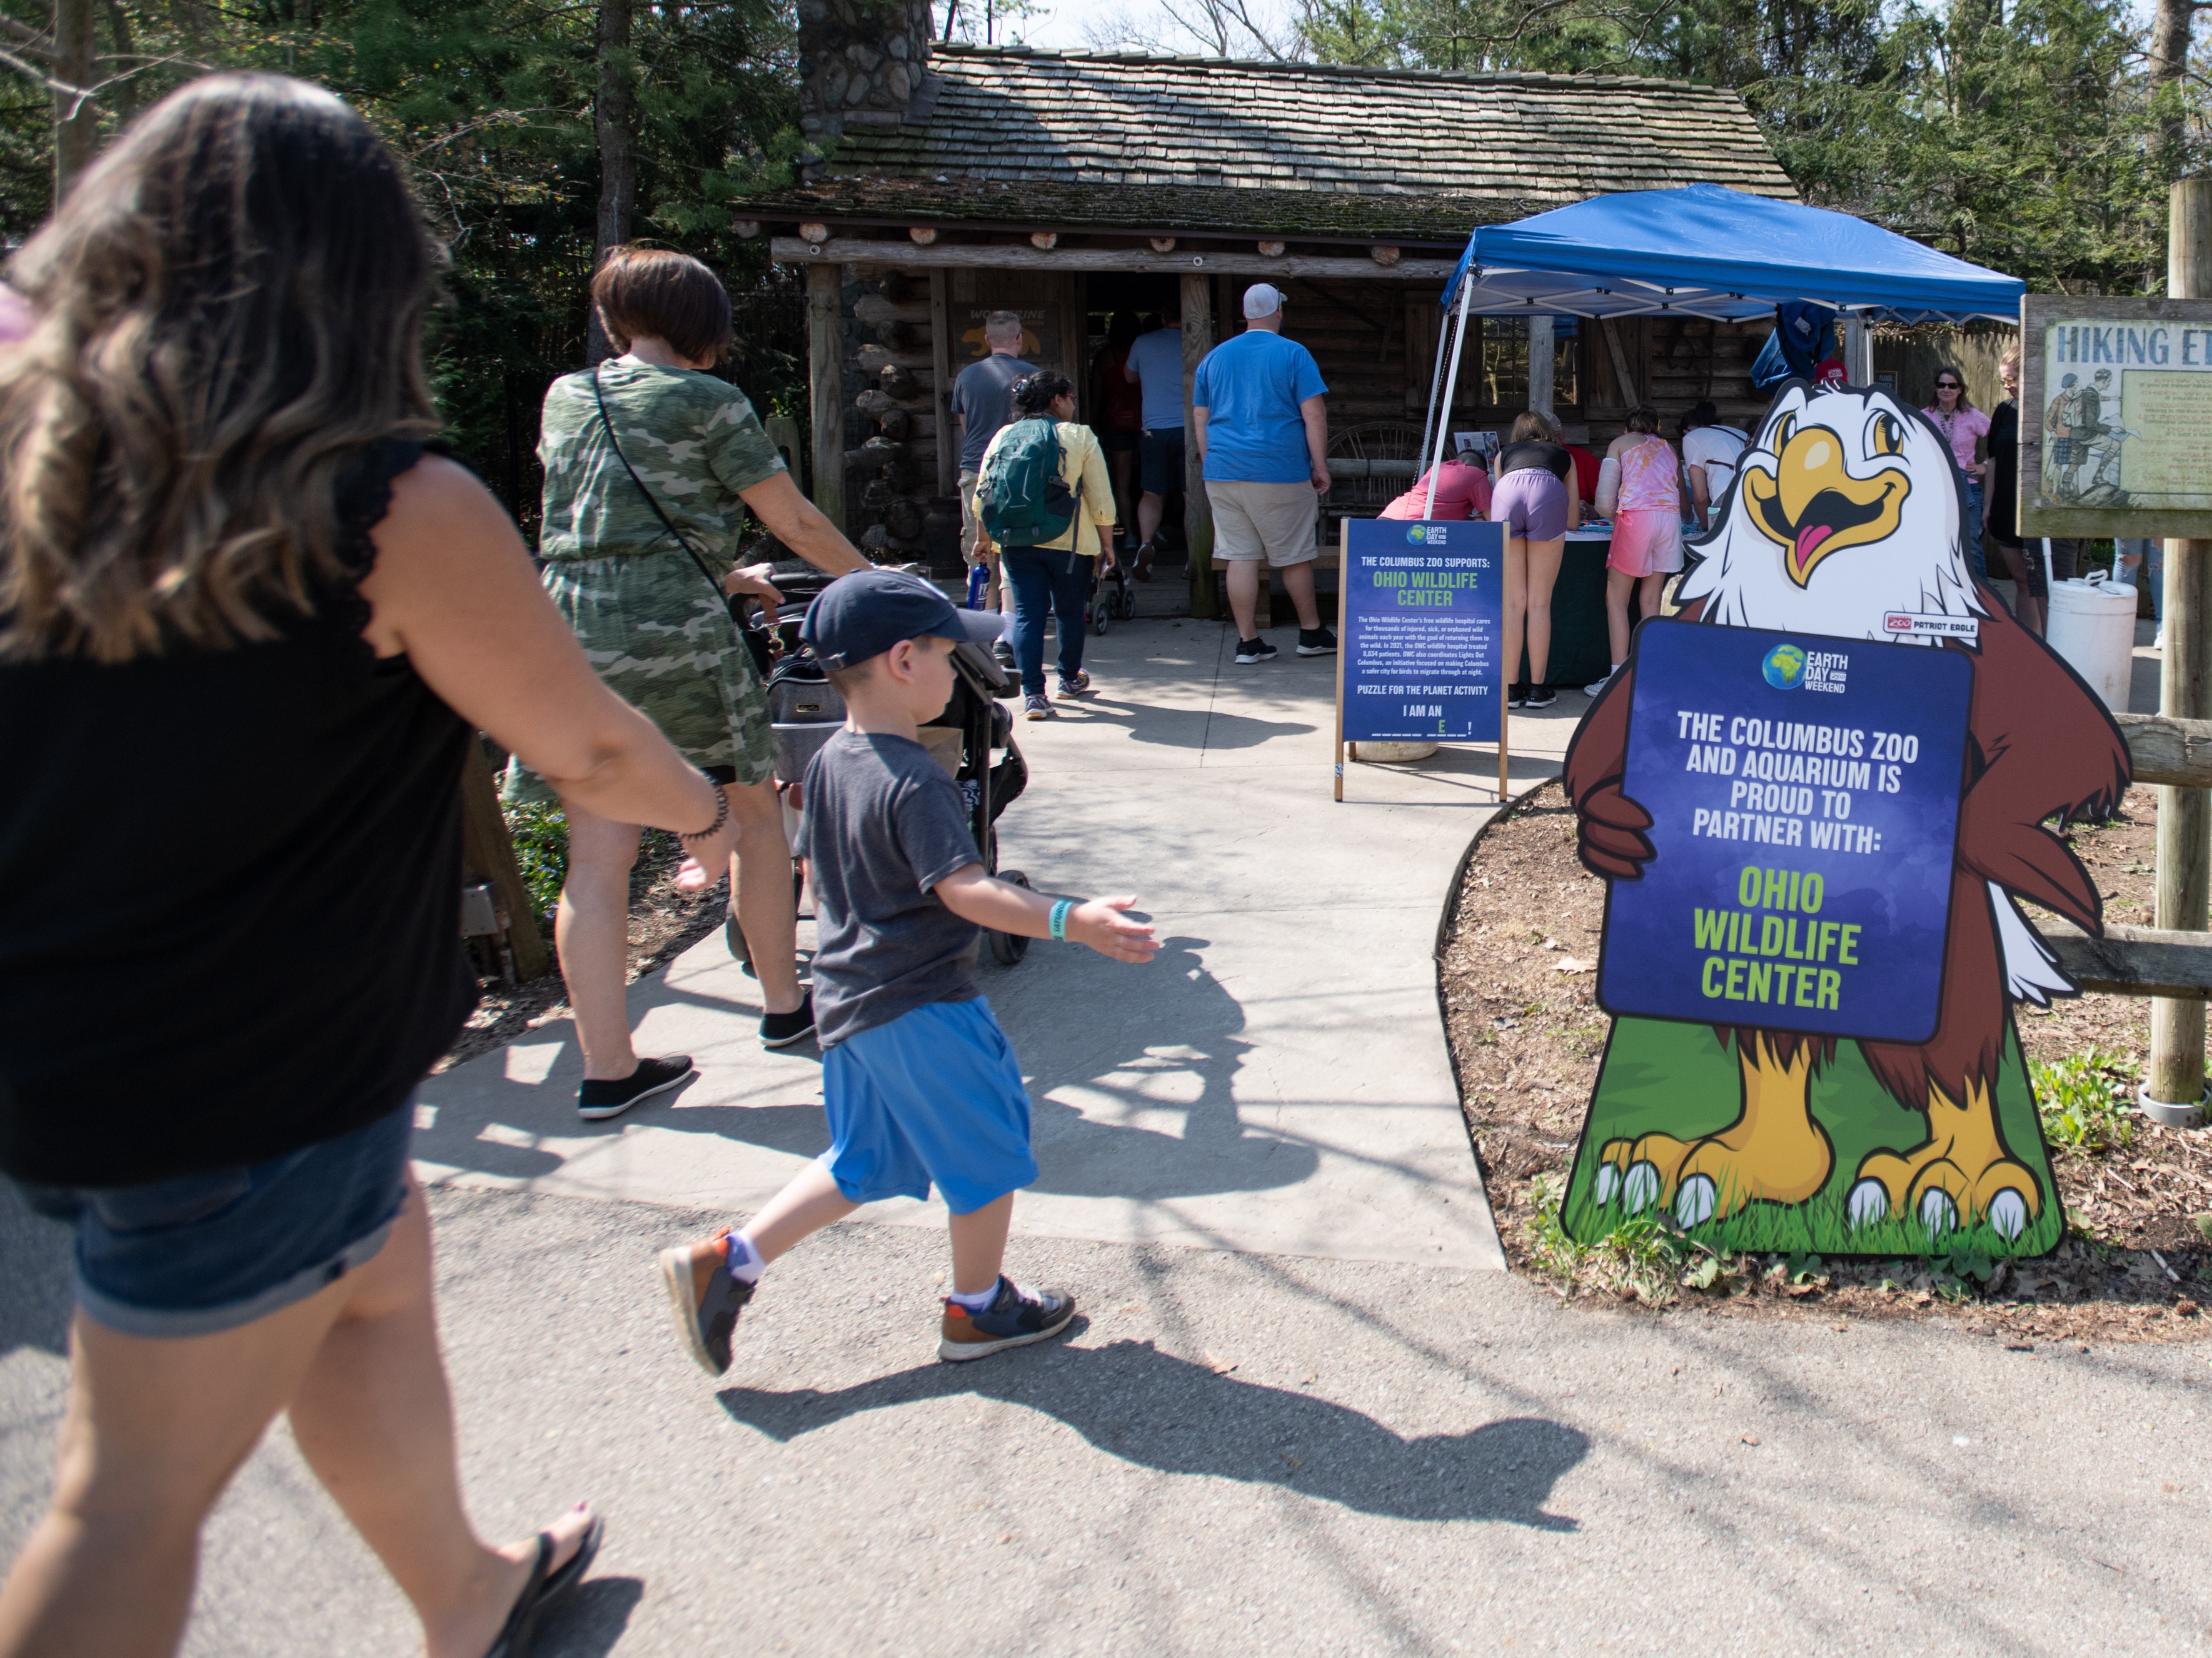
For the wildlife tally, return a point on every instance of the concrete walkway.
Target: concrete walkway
(1277, 1081)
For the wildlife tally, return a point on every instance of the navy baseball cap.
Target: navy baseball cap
(866, 613)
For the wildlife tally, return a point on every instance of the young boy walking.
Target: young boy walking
(919, 1083)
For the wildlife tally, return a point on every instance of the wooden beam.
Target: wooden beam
(1198, 511)
(2163, 750)
(825, 362)
(2132, 961)
(487, 853)
(1621, 371)
(940, 363)
(992, 256)
(1542, 362)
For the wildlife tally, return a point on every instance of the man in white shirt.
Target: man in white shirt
(1708, 456)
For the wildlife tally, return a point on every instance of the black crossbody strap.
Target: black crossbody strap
(651, 499)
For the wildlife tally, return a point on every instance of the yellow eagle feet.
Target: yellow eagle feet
(1774, 1152)
(1961, 1174)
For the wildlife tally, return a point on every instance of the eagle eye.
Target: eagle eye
(1884, 436)
(1785, 430)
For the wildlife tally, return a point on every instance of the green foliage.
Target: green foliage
(541, 852)
(2086, 1100)
(2023, 137)
(489, 103)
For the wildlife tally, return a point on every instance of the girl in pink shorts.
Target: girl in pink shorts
(1640, 485)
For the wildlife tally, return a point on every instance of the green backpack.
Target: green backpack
(1021, 497)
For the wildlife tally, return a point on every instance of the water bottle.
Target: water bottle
(977, 577)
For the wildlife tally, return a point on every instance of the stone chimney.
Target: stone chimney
(861, 62)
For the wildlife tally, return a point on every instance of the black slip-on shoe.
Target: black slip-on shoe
(706, 1298)
(595, 1101)
(782, 1030)
(1316, 641)
(1540, 697)
(1255, 650)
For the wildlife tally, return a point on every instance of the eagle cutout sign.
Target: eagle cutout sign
(1812, 944)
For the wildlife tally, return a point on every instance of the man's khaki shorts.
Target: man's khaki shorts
(967, 522)
(1273, 521)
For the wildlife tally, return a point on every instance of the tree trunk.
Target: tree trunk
(614, 114)
(77, 120)
(2169, 61)
(126, 92)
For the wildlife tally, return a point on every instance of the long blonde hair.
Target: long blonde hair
(230, 310)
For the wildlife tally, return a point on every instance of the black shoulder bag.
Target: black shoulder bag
(758, 640)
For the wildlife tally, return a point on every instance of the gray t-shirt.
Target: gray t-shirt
(983, 396)
(884, 824)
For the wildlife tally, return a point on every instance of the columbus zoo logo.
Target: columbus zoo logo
(1784, 667)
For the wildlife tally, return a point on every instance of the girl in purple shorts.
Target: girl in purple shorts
(1537, 506)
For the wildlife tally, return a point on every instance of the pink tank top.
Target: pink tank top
(1648, 478)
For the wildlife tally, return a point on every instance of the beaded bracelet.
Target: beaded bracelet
(1059, 919)
(721, 814)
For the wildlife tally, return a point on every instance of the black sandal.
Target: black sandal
(542, 1590)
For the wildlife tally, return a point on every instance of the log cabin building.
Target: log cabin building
(954, 179)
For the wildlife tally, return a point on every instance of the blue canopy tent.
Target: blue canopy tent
(1704, 251)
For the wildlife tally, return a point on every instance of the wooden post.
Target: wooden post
(1343, 637)
(1858, 350)
(2174, 1092)
(488, 851)
(1197, 511)
(1621, 371)
(825, 360)
(1541, 361)
(940, 362)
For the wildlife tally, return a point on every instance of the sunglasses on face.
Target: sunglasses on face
(1946, 386)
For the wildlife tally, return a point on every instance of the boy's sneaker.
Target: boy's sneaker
(1003, 654)
(1539, 696)
(782, 1030)
(1036, 708)
(1075, 685)
(1592, 690)
(1316, 641)
(596, 1101)
(1015, 1318)
(1516, 697)
(706, 1298)
(1255, 650)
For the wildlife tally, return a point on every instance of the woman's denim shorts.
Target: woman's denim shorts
(207, 1252)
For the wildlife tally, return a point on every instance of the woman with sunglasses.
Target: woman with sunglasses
(1963, 427)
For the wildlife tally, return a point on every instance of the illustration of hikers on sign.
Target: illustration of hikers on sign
(1819, 794)
(2082, 439)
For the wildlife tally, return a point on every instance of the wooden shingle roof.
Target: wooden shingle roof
(1007, 135)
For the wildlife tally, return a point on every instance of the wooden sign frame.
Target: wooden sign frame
(2040, 512)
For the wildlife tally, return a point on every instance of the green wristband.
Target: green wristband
(1059, 919)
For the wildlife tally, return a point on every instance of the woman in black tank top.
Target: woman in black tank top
(247, 627)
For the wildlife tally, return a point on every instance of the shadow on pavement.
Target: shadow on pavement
(1097, 1049)
(36, 1299)
(596, 1616)
(1132, 1401)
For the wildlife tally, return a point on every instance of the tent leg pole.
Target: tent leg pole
(1451, 391)
(1436, 380)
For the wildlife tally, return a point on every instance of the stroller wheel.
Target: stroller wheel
(1008, 947)
(1101, 615)
(1128, 603)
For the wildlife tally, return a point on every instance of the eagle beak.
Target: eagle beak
(1811, 506)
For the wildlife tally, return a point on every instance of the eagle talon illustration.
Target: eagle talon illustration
(1846, 511)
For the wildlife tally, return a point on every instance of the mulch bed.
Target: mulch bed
(663, 924)
(1526, 1037)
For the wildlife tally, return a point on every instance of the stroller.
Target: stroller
(1105, 605)
(806, 710)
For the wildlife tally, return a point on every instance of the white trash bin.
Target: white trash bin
(2093, 625)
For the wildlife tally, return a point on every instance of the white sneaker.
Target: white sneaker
(1592, 690)
(2158, 642)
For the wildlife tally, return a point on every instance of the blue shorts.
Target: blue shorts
(1159, 461)
(207, 1252)
(935, 1095)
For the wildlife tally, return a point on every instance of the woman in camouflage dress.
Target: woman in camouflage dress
(656, 629)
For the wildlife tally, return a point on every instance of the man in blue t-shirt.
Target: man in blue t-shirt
(1155, 362)
(1262, 432)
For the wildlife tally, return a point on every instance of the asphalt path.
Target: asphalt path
(1230, 1453)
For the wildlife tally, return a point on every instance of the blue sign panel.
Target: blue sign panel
(1425, 623)
(1804, 802)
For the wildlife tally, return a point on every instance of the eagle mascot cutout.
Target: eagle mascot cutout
(1846, 507)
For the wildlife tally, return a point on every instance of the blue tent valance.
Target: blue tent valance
(1704, 251)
